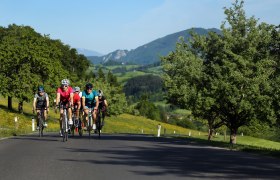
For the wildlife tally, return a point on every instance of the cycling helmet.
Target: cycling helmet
(77, 89)
(100, 93)
(89, 86)
(41, 88)
(65, 82)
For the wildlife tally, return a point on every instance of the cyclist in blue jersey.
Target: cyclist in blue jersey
(90, 100)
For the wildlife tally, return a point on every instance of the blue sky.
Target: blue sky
(108, 25)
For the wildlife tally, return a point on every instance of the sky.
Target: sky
(107, 25)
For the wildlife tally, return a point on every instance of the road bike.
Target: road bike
(41, 119)
(77, 125)
(90, 121)
(98, 123)
(65, 126)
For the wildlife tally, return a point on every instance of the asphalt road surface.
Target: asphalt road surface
(126, 157)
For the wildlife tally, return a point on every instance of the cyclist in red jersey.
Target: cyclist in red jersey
(64, 96)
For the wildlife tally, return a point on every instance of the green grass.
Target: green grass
(8, 127)
(182, 111)
(126, 123)
(123, 77)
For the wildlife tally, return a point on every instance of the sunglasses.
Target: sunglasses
(89, 88)
(64, 86)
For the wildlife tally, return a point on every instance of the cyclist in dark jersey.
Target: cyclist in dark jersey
(41, 101)
(102, 105)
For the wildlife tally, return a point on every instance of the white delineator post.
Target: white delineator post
(16, 122)
(33, 124)
(159, 127)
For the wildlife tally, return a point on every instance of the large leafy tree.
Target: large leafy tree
(27, 60)
(234, 84)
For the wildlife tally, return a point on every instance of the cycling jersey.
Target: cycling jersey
(76, 98)
(41, 101)
(89, 98)
(65, 95)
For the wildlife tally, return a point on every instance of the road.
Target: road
(120, 157)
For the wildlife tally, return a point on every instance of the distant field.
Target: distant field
(123, 77)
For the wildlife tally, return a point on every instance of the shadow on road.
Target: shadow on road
(165, 156)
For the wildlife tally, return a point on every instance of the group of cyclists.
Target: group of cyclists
(69, 97)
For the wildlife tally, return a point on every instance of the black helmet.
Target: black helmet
(41, 88)
(89, 86)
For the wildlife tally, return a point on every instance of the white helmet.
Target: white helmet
(65, 82)
(100, 93)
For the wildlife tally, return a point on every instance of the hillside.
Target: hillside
(149, 53)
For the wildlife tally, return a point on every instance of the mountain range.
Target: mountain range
(87, 52)
(149, 53)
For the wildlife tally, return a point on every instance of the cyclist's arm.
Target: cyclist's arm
(47, 102)
(71, 99)
(57, 98)
(79, 104)
(34, 103)
(83, 102)
(97, 102)
(105, 103)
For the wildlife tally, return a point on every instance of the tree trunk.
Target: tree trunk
(233, 133)
(10, 106)
(20, 107)
(210, 134)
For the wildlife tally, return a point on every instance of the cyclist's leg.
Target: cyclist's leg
(37, 117)
(103, 118)
(45, 115)
(85, 117)
(94, 115)
(69, 112)
(60, 119)
(81, 116)
(77, 113)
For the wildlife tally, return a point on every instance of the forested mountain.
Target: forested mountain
(150, 52)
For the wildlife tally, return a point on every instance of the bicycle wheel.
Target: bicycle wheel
(89, 125)
(64, 128)
(79, 128)
(98, 125)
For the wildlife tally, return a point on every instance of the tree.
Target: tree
(114, 95)
(148, 109)
(227, 76)
(101, 75)
(111, 79)
(147, 84)
(27, 59)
